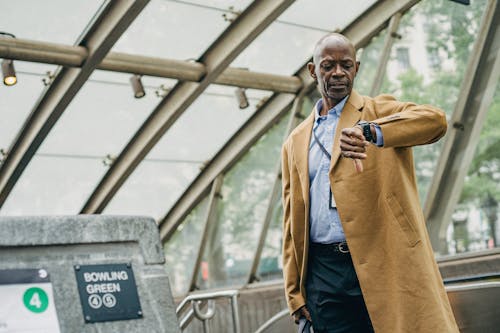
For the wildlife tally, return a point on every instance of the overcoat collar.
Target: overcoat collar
(302, 137)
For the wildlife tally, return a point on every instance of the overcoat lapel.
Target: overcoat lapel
(349, 116)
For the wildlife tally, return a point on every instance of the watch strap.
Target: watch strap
(367, 132)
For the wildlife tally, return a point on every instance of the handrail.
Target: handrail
(471, 286)
(195, 300)
(283, 313)
(471, 278)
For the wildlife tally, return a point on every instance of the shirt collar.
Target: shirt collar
(337, 108)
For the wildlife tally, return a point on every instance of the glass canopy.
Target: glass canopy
(93, 158)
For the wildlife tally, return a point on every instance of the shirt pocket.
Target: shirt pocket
(402, 219)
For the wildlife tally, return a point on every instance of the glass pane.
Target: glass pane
(241, 209)
(296, 31)
(181, 249)
(214, 117)
(173, 29)
(56, 21)
(102, 117)
(325, 14)
(93, 130)
(295, 47)
(53, 185)
(428, 64)
(16, 102)
(475, 223)
(179, 156)
(153, 188)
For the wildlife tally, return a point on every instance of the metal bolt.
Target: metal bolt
(77, 267)
(129, 265)
(87, 318)
(139, 313)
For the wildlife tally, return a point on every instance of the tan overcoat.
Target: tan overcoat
(380, 214)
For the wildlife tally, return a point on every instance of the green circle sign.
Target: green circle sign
(36, 300)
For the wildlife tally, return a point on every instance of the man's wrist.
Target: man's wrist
(368, 130)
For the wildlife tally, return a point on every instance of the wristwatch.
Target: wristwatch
(367, 132)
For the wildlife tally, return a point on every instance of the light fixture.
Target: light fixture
(137, 86)
(8, 71)
(241, 96)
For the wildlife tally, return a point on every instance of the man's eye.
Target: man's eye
(327, 67)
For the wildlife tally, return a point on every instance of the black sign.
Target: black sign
(108, 292)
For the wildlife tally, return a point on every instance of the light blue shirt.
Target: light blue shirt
(325, 226)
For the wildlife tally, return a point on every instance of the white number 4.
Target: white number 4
(35, 300)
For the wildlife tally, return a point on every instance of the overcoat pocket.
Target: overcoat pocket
(403, 221)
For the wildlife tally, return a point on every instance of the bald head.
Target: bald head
(334, 68)
(333, 40)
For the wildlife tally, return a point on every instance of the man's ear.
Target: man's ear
(357, 66)
(311, 68)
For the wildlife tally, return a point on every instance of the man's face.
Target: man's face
(335, 68)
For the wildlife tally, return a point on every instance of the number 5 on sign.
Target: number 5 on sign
(36, 300)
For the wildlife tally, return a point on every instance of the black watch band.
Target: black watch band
(367, 132)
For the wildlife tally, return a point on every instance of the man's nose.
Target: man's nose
(337, 70)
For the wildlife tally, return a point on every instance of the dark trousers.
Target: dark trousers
(334, 298)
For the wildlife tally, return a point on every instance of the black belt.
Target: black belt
(333, 248)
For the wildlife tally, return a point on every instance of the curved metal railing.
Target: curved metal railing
(196, 302)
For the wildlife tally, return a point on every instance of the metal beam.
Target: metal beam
(236, 147)
(75, 56)
(43, 52)
(274, 196)
(105, 31)
(360, 31)
(385, 54)
(476, 94)
(216, 59)
(210, 218)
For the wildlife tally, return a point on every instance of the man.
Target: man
(356, 254)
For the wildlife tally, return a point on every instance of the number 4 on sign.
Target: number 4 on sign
(35, 300)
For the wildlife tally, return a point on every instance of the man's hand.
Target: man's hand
(302, 312)
(353, 145)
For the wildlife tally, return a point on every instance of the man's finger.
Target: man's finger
(353, 141)
(358, 165)
(355, 155)
(344, 146)
(354, 132)
(306, 314)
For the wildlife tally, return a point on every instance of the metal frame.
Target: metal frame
(223, 51)
(274, 195)
(360, 32)
(75, 56)
(210, 217)
(194, 301)
(386, 53)
(114, 19)
(477, 91)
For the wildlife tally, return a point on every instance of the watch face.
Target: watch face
(367, 132)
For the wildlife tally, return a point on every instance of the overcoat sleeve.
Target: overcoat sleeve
(406, 124)
(290, 270)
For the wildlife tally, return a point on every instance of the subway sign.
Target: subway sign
(108, 292)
